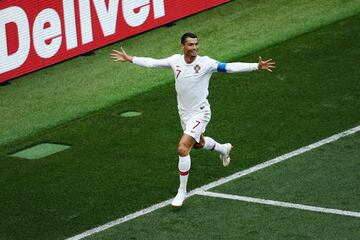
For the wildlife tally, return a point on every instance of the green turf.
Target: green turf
(70, 90)
(326, 177)
(119, 165)
(40, 151)
(209, 218)
(130, 114)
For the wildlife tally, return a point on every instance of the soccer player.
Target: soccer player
(192, 74)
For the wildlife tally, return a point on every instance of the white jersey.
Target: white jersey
(192, 80)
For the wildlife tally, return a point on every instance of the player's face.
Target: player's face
(190, 47)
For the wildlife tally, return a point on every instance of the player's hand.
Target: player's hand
(120, 56)
(266, 65)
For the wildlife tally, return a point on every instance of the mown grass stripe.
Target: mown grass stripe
(85, 85)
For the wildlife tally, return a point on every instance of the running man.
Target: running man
(192, 75)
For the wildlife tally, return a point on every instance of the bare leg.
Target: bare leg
(185, 145)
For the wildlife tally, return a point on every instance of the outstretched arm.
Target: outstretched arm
(266, 65)
(121, 56)
(246, 67)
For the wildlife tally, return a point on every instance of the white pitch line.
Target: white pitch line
(281, 158)
(218, 183)
(121, 220)
(281, 204)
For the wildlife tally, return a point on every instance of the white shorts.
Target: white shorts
(194, 123)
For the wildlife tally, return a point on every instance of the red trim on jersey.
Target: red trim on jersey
(184, 173)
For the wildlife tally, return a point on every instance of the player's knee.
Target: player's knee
(183, 150)
(198, 145)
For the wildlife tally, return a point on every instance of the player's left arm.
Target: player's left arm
(236, 67)
(266, 65)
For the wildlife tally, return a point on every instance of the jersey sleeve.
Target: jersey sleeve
(151, 62)
(216, 66)
(212, 63)
(237, 67)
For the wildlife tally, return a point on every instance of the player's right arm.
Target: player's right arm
(122, 56)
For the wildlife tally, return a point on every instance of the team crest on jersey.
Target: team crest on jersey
(197, 68)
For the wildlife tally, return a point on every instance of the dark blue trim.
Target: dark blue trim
(221, 67)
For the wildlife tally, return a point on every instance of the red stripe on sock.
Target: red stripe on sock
(184, 173)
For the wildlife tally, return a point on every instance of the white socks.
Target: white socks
(184, 168)
(185, 162)
(211, 144)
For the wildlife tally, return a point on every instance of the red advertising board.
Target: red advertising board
(37, 33)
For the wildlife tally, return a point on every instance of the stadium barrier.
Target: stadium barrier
(38, 33)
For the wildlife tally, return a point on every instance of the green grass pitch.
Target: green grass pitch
(117, 165)
(322, 177)
(83, 85)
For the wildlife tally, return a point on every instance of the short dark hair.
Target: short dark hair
(187, 35)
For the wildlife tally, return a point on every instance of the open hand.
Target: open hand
(120, 56)
(266, 65)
